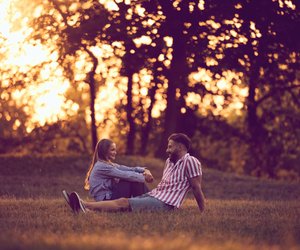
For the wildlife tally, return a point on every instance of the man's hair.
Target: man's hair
(181, 138)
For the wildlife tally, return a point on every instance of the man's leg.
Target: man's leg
(121, 204)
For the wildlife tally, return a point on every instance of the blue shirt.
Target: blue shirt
(103, 174)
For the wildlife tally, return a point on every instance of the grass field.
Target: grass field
(241, 212)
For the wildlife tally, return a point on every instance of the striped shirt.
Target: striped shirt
(174, 184)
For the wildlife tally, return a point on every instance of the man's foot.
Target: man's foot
(76, 203)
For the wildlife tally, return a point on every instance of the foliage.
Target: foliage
(13, 118)
(62, 137)
(267, 58)
(185, 50)
(73, 28)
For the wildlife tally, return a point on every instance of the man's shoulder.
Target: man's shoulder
(193, 166)
(192, 158)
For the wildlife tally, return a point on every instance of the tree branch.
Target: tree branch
(276, 90)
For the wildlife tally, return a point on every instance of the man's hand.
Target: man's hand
(148, 176)
(197, 191)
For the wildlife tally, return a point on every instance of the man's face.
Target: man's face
(172, 150)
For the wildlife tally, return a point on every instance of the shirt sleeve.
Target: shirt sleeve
(193, 167)
(117, 172)
(135, 169)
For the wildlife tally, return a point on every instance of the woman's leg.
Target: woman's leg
(138, 188)
(121, 190)
(128, 189)
(112, 205)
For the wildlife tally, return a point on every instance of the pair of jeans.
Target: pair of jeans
(146, 202)
(128, 189)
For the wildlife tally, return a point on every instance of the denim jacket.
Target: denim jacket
(104, 175)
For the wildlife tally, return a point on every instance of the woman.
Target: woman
(106, 180)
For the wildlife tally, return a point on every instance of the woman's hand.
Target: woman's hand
(148, 176)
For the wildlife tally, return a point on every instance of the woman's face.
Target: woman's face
(112, 152)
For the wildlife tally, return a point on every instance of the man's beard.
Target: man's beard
(173, 157)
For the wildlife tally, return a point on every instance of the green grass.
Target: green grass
(241, 212)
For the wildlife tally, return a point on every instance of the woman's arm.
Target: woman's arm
(146, 172)
(117, 172)
(135, 169)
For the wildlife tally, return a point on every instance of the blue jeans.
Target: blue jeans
(147, 202)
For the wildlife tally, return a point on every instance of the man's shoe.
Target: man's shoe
(76, 203)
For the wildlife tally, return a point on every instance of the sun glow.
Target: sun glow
(48, 104)
(21, 54)
(215, 102)
(46, 98)
(4, 25)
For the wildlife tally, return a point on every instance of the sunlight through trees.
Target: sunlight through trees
(226, 74)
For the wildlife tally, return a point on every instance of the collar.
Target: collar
(182, 159)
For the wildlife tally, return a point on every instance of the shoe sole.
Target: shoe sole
(75, 203)
(66, 196)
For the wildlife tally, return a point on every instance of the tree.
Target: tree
(129, 23)
(182, 23)
(74, 27)
(267, 58)
(12, 115)
(171, 40)
(13, 118)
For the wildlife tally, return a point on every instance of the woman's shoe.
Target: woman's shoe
(76, 203)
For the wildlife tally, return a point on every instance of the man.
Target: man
(181, 173)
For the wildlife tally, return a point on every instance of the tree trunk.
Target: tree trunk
(92, 86)
(170, 119)
(129, 112)
(177, 75)
(257, 140)
(147, 128)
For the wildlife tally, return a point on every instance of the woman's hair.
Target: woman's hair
(100, 153)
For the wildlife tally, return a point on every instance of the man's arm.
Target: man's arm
(195, 183)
